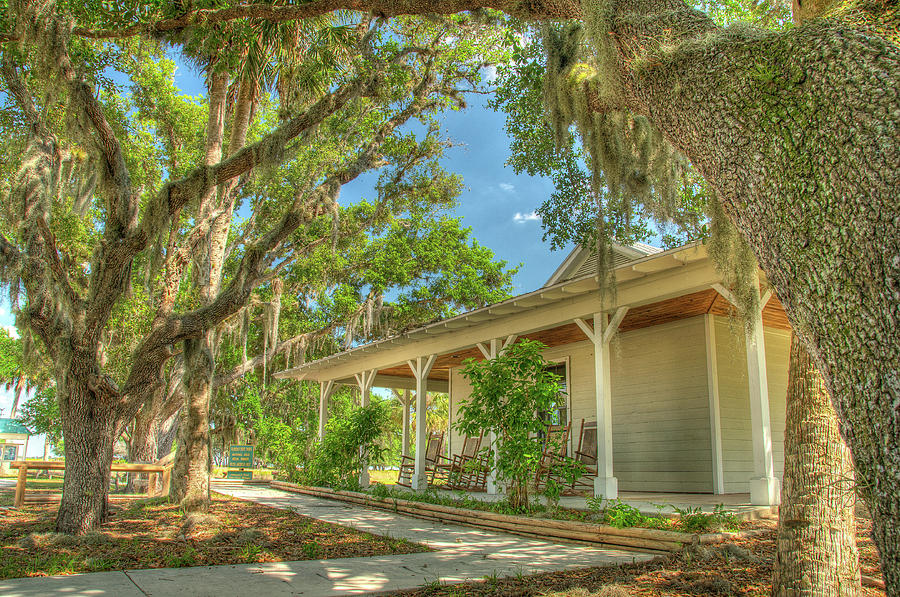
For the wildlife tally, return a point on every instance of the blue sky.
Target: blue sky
(496, 203)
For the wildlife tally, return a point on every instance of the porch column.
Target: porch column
(325, 390)
(365, 381)
(490, 351)
(605, 484)
(421, 367)
(405, 401)
(765, 488)
(715, 416)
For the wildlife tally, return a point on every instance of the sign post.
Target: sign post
(240, 457)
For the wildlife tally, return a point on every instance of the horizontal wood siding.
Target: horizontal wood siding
(734, 400)
(661, 436)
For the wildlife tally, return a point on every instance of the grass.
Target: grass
(612, 512)
(385, 477)
(152, 533)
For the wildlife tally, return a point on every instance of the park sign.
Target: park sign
(240, 456)
(242, 475)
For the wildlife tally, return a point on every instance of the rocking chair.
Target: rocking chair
(586, 454)
(556, 443)
(432, 456)
(467, 471)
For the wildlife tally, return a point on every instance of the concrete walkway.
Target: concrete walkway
(461, 554)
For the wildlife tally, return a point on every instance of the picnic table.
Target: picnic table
(56, 465)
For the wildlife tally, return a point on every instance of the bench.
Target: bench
(53, 465)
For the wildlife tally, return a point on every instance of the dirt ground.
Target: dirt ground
(744, 568)
(154, 534)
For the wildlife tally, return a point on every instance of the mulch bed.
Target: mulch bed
(154, 534)
(741, 568)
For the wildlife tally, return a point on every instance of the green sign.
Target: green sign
(240, 456)
(245, 475)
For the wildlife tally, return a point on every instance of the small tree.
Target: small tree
(349, 443)
(508, 392)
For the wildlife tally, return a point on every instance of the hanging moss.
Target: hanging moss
(734, 261)
(635, 171)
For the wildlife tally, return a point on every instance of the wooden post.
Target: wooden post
(19, 498)
(715, 417)
(365, 381)
(606, 485)
(421, 367)
(166, 481)
(325, 390)
(405, 400)
(765, 488)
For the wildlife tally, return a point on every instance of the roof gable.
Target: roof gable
(582, 261)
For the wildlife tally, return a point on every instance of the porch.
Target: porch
(701, 436)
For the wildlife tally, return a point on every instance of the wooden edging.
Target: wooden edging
(580, 532)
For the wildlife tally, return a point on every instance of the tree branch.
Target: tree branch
(534, 10)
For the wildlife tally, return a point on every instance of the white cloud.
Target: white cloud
(490, 73)
(505, 186)
(520, 218)
(13, 332)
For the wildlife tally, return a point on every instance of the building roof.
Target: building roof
(13, 427)
(582, 261)
(559, 296)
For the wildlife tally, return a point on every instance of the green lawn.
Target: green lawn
(384, 477)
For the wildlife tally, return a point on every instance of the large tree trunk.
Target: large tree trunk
(89, 432)
(142, 447)
(816, 547)
(191, 472)
(190, 479)
(799, 134)
(200, 355)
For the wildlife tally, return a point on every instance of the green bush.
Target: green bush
(507, 391)
(350, 442)
(694, 520)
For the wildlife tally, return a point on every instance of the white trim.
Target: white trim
(614, 322)
(450, 411)
(421, 367)
(715, 416)
(325, 390)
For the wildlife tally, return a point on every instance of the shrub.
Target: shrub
(694, 520)
(350, 443)
(507, 391)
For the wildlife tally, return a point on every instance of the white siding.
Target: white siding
(661, 437)
(734, 400)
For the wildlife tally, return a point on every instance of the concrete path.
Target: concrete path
(461, 554)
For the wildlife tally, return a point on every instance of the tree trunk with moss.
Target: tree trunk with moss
(89, 432)
(190, 474)
(816, 547)
(193, 472)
